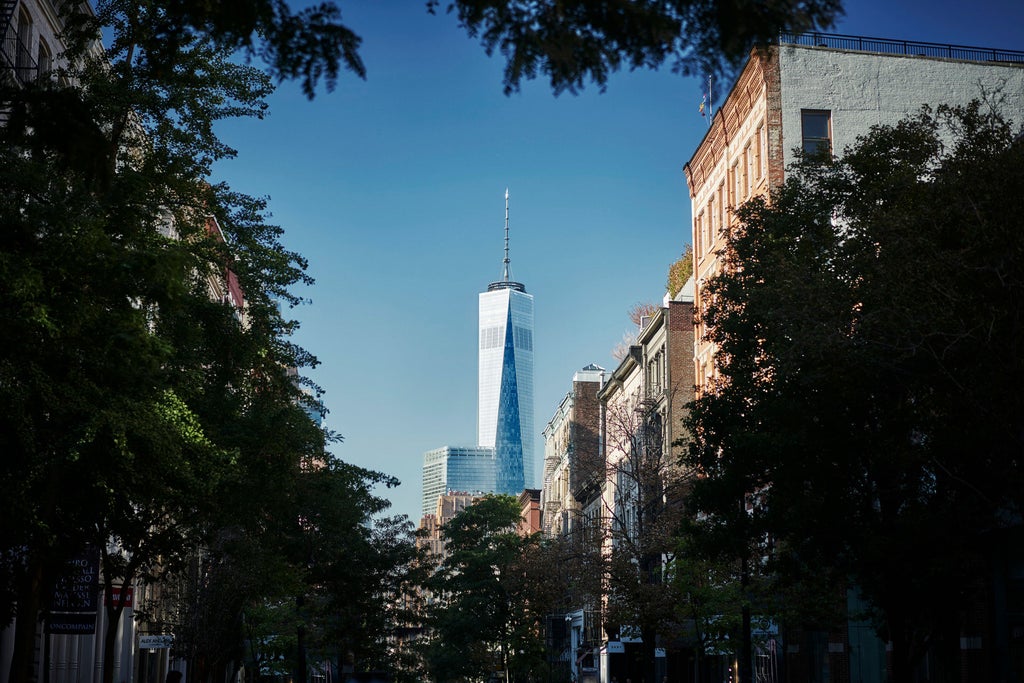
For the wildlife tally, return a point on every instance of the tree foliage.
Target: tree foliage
(680, 271)
(643, 520)
(311, 44)
(145, 411)
(639, 313)
(868, 326)
(114, 347)
(484, 619)
(571, 43)
(574, 42)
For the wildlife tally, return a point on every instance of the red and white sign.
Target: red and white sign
(129, 599)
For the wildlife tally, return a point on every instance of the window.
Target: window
(699, 233)
(24, 68)
(817, 133)
(721, 209)
(492, 337)
(734, 187)
(748, 159)
(760, 146)
(522, 337)
(45, 61)
(709, 225)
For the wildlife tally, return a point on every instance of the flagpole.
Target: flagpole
(711, 103)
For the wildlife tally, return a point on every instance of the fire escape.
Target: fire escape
(16, 58)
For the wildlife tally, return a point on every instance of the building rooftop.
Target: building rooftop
(910, 48)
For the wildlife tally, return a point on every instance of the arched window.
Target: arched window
(45, 59)
(24, 67)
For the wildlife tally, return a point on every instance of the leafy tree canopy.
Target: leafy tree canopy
(570, 43)
(576, 41)
(868, 326)
(485, 620)
(310, 44)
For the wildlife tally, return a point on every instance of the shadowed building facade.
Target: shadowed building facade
(816, 93)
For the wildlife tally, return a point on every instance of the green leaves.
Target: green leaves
(484, 619)
(574, 42)
(869, 341)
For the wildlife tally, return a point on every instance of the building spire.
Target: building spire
(506, 282)
(506, 237)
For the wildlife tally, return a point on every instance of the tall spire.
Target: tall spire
(506, 236)
(506, 281)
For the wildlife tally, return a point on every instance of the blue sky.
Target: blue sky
(393, 188)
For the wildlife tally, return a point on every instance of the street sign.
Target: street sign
(155, 642)
(77, 624)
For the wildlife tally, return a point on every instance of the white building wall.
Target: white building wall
(864, 89)
(493, 314)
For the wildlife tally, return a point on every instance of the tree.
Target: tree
(484, 620)
(362, 568)
(123, 381)
(309, 45)
(571, 43)
(578, 41)
(680, 271)
(710, 601)
(640, 311)
(643, 518)
(638, 314)
(868, 322)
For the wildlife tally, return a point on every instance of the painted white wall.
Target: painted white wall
(864, 90)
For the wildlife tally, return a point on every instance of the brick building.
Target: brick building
(818, 93)
(643, 403)
(571, 451)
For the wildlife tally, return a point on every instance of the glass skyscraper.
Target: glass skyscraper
(456, 469)
(505, 418)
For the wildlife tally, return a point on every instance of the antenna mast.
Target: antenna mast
(506, 236)
(506, 282)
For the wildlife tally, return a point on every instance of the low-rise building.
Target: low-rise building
(572, 469)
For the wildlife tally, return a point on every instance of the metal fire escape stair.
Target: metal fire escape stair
(7, 8)
(7, 39)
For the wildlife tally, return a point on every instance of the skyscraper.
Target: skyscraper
(456, 469)
(505, 418)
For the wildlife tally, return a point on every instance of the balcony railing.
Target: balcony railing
(16, 56)
(901, 47)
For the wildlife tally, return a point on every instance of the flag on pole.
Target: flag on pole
(705, 103)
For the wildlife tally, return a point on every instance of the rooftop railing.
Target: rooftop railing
(901, 47)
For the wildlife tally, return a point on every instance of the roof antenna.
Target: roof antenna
(506, 236)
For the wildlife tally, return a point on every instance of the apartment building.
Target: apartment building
(30, 39)
(571, 453)
(643, 403)
(817, 93)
